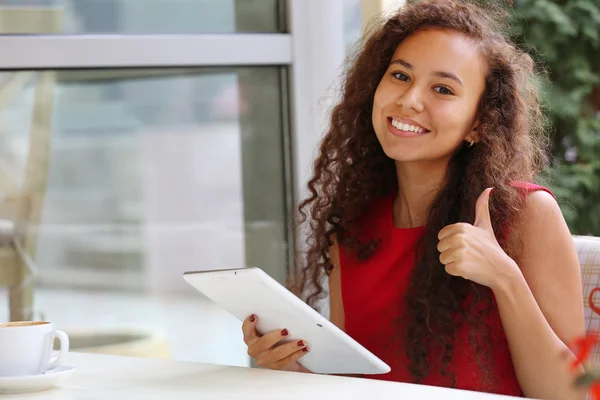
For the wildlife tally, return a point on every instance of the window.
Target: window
(133, 148)
(151, 172)
(145, 17)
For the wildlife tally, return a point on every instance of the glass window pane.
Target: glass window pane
(352, 24)
(150, 173)
(141, 17)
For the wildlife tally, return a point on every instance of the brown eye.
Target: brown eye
(400, 76)
(443, 90)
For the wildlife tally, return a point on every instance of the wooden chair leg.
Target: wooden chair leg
(36, 172)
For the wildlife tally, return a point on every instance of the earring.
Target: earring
(471, 143)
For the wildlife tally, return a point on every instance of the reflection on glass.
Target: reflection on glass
(151, 173)
(352, 24)
(148, 16)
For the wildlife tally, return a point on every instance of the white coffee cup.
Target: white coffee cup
(26, 348)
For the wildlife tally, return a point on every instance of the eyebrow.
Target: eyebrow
(440, 74)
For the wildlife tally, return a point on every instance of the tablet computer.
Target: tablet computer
(247, 291)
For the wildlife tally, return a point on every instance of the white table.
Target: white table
(115, 378)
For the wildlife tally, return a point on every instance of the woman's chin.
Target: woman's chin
(402, 154)
(406, 156)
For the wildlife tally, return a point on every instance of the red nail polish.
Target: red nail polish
(284, 332)
(300, 343)
(305, 350)
(252, 318)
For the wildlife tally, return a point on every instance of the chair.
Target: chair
(21, 198)
(588, 250)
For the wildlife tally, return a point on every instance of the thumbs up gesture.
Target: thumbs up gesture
(472, 251)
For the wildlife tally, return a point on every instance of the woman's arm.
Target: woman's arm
(336, 305)
(541, 309)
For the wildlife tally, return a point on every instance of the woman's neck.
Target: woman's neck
(418, 184)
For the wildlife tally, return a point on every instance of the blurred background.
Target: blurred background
(143, 138)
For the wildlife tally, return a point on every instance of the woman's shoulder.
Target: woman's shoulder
(539, 202)
(527, 188)
(540, 210)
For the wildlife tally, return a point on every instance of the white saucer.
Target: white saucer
(35, 383)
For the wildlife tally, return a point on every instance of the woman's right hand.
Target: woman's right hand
(269, 352)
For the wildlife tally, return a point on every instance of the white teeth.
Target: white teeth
(407, 127)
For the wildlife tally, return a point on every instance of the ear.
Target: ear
(473, 135)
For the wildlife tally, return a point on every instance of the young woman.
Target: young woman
(442, 257)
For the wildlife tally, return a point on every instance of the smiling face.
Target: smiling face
(425, 105)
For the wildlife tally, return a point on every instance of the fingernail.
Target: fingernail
(491, 191)
(284, 332)
(305, 350)
(252, 318)
(300, 343)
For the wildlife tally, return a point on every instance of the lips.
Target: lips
(403, 128)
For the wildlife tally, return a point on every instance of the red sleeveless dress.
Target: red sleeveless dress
(373, 289)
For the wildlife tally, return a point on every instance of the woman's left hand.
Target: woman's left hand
(472, 251)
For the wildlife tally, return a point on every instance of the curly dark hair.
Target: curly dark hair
(352, 170)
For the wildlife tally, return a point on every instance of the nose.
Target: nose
(411, 99)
